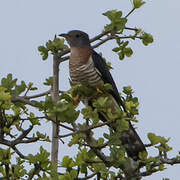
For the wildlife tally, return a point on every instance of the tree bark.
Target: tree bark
(55, 97)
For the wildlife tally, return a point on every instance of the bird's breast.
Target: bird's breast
(85, 72)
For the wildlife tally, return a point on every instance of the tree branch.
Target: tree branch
(23, 100)
(130, 12)
(40, 94)
(29, 140)
(66, 127)
(55, 98)
(85, 130)
(87, 177)
(37, 95)
(18, 152)
(131, 29)
(22, 136)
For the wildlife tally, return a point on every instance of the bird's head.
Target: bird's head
(76, 38)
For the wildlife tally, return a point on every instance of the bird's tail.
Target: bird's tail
(129, 138)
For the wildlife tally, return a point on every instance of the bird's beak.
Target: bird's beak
(64, 35)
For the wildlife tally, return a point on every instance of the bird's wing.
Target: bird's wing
(102, 68)
(130, 138)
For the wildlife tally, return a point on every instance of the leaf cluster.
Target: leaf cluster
(53, 47)
(117, 21)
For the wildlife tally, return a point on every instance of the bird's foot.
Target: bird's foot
(98, 90)
(76, 99)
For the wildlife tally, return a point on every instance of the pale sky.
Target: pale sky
(153, 71)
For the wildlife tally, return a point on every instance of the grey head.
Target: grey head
(76, 38)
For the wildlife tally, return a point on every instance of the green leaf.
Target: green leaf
(143, 155)
(43, 52)
(100, 141)
(64, 111)
(128, 52)
(117, 22)
(73, 173)
(116, 49)
(147, 38)
(121, 55)
(153, 138)
(138, 3)
(101, 103)
(20, 88)
(107, 87)
(48, 81)
(122, 125)
(89, 113)
(113, 14)
(8, 82)
(52, 46)
(67, 162)
(157, 139)
(161, 167)
(4, 96)
(127, 90)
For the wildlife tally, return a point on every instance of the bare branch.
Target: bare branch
(97, 147)
(22, 136)
(27, 91)
(37, 95)
(131, 29)
(87, 177)
(85, 130)
(23, 100)
(42, 117)
(103, 41)
(66, 127)
(148, 145)
(29, 140)
(130, 12)
(99, 36)
(18, 152)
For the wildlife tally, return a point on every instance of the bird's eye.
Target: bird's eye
(77, 35)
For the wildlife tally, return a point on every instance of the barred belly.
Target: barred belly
(85, 73)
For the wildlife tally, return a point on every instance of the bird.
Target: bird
(85, 64)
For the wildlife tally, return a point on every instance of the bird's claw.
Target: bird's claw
(76, 99)
(98, 90)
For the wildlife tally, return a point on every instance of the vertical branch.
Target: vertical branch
(55, 97)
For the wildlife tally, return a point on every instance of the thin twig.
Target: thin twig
(148, 145)
(87, 177)
(40, 94)
(42, 117)
(66, 135)
(99, 36)
(37, 95)
(27, 91)
(66, 127)
(131, 29)
(103, 41)
(97, 147)
(85, 130)
(18, 152)
(22, 136)
(130, 12)
(30, 140)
